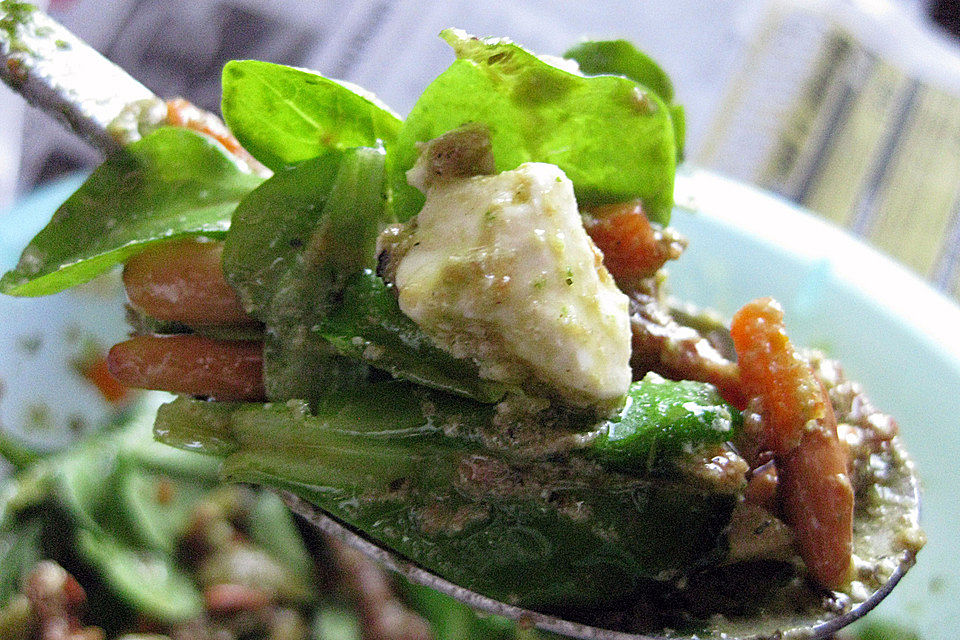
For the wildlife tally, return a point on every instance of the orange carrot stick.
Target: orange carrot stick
(632, 248)
(799, 427)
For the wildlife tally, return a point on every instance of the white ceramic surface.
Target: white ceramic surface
(43, 396)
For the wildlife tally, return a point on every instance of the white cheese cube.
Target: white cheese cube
(501, 271)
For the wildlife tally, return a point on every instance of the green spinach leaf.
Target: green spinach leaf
(298, 362)
(25, 490)
(85, 482)
(405, 470)
(299, 254)
(271, 527)
(148, 580)
(368, 436)
(662, 419)
(15, 452)
(294, 243)
(272, 226)
(368, 325)
(158, 524)
(283, 115)
(19, 552)
(451, 618)
(139, 450)
(170, 184)
(620, 57)
(612, 137)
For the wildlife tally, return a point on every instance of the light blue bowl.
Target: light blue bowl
(891, 330)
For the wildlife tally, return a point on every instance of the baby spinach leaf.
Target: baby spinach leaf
(367, 437)
(283, 115)
(272, 528)
(197, 427)
(612, 137)
(620, 57)
(138, 450)
(368, 325)
(343, 241)
(272, 225)
(159, 523)
(25, 490)
(544, 530)
(17, 453)
(297, 361)
(294, 243)
(662, 418)
(338, 622)
(296, 254)
(170, 184)
(451, 618)
(85, 481)
(679, 118)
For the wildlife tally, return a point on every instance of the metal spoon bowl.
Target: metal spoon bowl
(903, 507)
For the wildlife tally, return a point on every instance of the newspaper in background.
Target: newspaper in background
(853, 110)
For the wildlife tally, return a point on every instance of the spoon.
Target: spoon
(815, 627)
(57, 72)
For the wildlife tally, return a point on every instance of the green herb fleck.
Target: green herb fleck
(77, 424)
(569, 279)
(39, 418)
(30, 345)
(539, 283)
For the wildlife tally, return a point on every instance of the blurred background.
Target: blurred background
(849, 107)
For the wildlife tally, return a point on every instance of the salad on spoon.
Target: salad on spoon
(448, 336)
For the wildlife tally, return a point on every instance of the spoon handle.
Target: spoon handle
(57, 72)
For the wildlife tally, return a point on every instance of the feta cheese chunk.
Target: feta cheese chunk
(500, 270)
